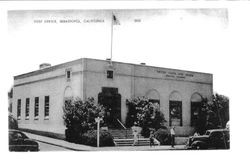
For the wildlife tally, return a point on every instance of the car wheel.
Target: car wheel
(198, 146)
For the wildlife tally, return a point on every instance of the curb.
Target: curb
(73, 149)
(103, 148)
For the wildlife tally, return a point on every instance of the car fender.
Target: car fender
(199, 145)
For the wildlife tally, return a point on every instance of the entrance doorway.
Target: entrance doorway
(196, 99)
(111, 100)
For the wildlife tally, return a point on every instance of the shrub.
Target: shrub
(145, 113)
(145, 132)
(213, 114)
(79, 117)
(163, 136)
(133, 109)
(90, 138)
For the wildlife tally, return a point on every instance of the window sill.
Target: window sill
(27, 118)
(36, 118)
(46, 118)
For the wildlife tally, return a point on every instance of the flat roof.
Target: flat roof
(58, 66)
(48, 69)
(152, 66)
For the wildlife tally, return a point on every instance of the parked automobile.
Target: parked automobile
(18, 141)
(212, 139)
(12, 122)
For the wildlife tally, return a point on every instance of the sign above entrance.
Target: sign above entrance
(175, 75)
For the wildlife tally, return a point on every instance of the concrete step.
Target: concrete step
(130, 142)
(121, 133)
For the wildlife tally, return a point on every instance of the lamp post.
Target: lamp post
(97, 120)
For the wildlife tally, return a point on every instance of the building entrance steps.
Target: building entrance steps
(130, 142)
(121, 133)
(124, 137)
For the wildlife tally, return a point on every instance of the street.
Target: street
(52, 144)
(49, 147)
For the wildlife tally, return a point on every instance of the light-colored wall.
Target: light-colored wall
(136, 80)
(88, 78)
(52, 84)
(95, 78)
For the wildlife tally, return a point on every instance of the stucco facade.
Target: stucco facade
(89, 78)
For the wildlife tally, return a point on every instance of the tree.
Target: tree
(213, 114)
(145, 113)
(79, 116)
(221, 107)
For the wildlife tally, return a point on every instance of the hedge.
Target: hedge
(163, 136)
(90, 138)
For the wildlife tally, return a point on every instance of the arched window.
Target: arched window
(195, 107)
(175, 109)
(68, 94)
(153, 96)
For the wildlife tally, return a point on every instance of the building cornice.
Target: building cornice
(48, 69)
(80, 61)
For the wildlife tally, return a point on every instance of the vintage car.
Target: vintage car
(18, 141)
(212, 139)
(12, 122)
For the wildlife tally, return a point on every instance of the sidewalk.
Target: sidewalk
(78, 147)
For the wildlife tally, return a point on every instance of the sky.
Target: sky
(183, 39)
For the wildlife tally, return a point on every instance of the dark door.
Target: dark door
(195, 112)
(111, 100)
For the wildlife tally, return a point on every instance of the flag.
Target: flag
(115, 20)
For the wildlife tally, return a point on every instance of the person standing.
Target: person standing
(135, 133)
(151, 138)
(172, 133)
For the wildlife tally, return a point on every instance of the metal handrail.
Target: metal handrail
(123, 127)
(121, 124)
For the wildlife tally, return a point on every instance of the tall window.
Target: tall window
(27, 108)
(19, 109)
(36, 112)
(195, 112)
(195, 108)
(175, 109)
(46, 107)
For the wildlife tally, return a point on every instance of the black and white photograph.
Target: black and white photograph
(123, 79)
(88, 103)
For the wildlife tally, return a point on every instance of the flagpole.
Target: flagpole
(111, 50)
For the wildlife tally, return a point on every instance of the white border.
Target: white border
(238, 82)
